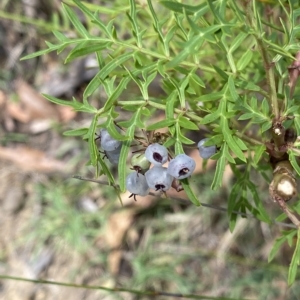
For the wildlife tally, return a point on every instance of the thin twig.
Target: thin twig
(94, 287)
(184, 201)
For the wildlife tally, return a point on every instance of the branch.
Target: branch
(283, 188)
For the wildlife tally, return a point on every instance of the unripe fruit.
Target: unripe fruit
(158, 178)
(140, 163)
(182, 166)
(156, 154)
(206, 151)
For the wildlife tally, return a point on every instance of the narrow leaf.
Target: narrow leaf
(86, 48)
(221, 163)
(76, 132)
(104, 72)
(75, 21)
(190, 193)
(93, 150)
(293, 162)
(295, 261)
(122, 164)
(185, 123)
(161, 124)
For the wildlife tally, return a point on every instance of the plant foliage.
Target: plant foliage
(223, 65)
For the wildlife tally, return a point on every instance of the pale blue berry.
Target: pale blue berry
(156, 154)
(107, 142)
(182, 166)
(136, 184)
(158, 178)
(206, 151)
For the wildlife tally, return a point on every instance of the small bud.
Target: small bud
(277, 131)
(286, 187)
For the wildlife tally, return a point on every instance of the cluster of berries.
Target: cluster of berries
(158, 178)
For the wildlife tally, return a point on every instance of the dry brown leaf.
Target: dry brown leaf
(118, 225)
(113, 260)
(17, 112)
(66, 113)
(36, 106)
(32, 160)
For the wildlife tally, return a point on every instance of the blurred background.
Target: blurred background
(56, 227)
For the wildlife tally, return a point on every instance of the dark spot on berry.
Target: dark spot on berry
(159, 187)
(138, 169)
(183, 171)
(157, 157)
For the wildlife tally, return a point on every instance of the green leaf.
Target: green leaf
(293, 162)
(234, 95)
(180, 8)
(186, 123)
(78, 106)
(75, 21)
(106, 170)
(86, 48)
(238, 41)
(230, 140)
(104, 72)
(211, 97)
(278, 243)
(93, 17)
(195, 78)
(295, 261)
(189, 192)
(265, 107)
(247, 85)
(221, 163)
(133, 20)
(116, 93)
(281, 217)
(221, 73)
(240, 143)
(189, 47)
(209, 118)
(184, 140)
(234, 197)
(161, 124)
(263, 215)
(76, 132)
(122, 164)
(297, 123)
(232, 221)
(244, 60)
(41, 52)
(266, 126)
(93, 150)
(74, 104)
(259, 150)
(61, 37)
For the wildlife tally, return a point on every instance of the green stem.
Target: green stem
(153, 294)
(270, 77)
(267, 64)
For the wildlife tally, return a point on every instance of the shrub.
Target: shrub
(227, 66)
